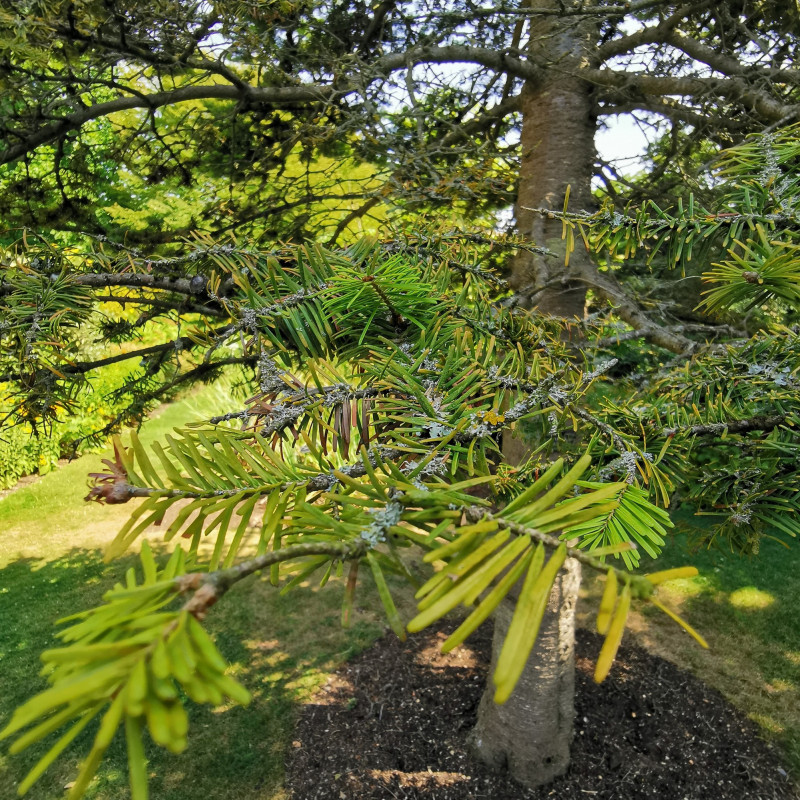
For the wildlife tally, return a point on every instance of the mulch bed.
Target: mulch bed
(393, 723)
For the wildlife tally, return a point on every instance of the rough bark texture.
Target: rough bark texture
(557, 150)
(530, 735)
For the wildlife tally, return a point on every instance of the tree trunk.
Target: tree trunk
(530, 735)
(557, 150)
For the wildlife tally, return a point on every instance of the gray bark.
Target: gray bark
(530, 735)
(556, 150)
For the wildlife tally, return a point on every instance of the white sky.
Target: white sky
(623, 141)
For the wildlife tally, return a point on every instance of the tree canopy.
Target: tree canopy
(244, 110)
(213, 170)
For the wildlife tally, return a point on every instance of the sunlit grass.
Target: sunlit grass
(42, 519)
(750, 597)
(747, 610)
(282, 648)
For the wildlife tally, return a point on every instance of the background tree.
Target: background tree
(464, 105)
(143, 123)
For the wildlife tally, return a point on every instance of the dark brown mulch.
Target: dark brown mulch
(393, 724)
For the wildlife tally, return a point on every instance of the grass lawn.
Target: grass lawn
(48, 517)
(747, 610)
(283, 647)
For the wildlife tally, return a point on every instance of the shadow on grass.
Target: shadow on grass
(281, 648)
(747, 608)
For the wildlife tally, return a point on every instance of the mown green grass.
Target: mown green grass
(283, 647)
(40, 519)
(747, 610)
(280, 647)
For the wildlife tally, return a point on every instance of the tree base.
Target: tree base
(530, 735)
(393, 722)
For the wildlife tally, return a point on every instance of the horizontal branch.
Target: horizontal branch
(616, 102)
(134, 280)
(182, 305)
(266, 96)
(558, 10)
(275, 209)
(627, 336)
(491, 116)
(208, 587)
(736, 90)
(176, 345)
(496, 60)
(121, 491)
(641, 586)
(653, 34)
(196, 373)
(761, 423)
(629, 310)
(352, 216)
(727, 65)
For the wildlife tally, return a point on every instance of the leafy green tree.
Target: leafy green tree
(384, 380)
(143, 122)
(454, 105)
(386, 373)
(242, 117)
